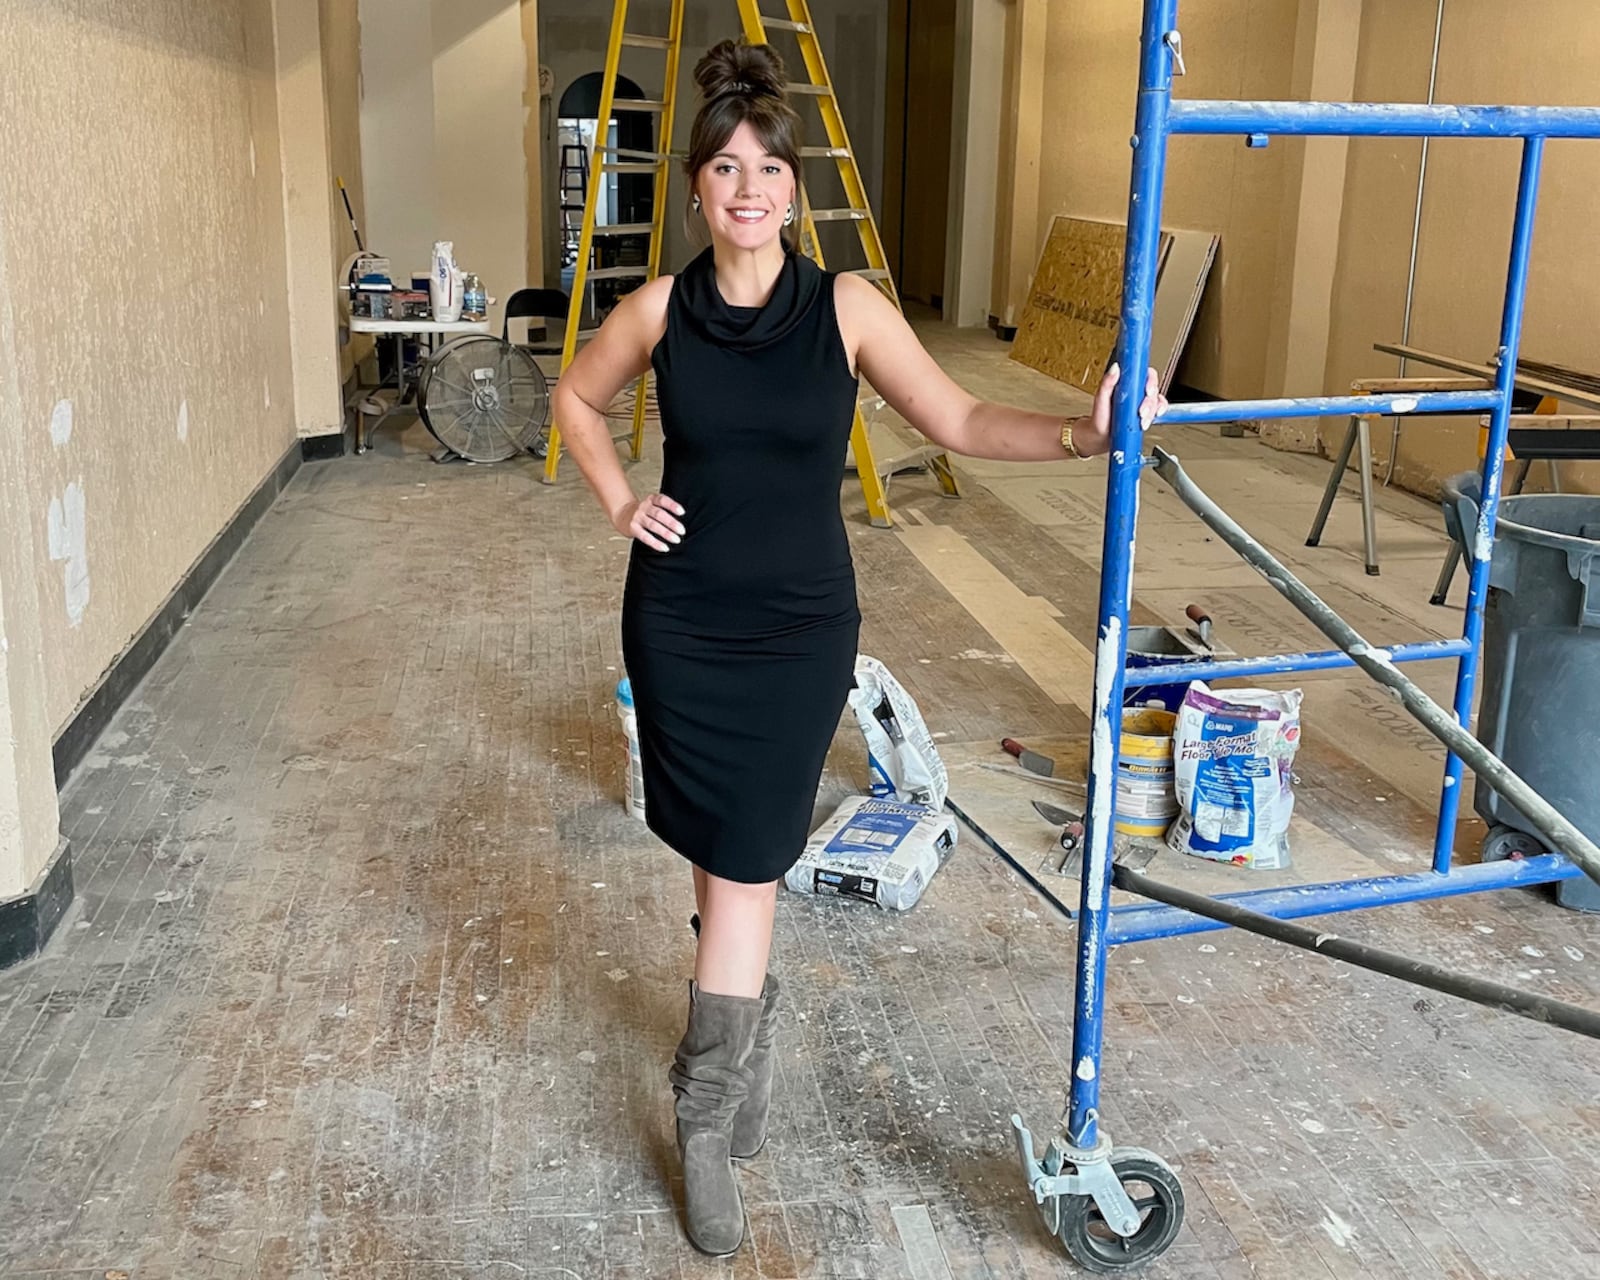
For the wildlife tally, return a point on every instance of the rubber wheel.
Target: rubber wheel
(1507, 842)
(1156, 1194)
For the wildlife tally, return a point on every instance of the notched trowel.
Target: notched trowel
(1069, 860)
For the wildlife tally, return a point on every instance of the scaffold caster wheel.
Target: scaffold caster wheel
(1507, 842)
(1157, 1195)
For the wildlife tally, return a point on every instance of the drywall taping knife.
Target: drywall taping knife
(1032, 761)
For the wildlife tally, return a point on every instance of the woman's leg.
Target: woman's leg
(735, 936)
(699, 894)
(711, 1077)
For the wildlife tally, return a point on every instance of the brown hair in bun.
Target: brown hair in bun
(743, 83)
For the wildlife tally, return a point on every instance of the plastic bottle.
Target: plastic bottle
(633, 796)
(474, 301)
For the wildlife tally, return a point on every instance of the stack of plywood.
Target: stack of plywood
(1069, 326)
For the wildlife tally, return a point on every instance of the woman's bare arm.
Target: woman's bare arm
(617, 355)
(884, 348)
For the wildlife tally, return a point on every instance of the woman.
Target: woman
(739, 618)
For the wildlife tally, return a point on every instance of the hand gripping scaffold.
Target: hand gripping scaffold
(1113, 1207)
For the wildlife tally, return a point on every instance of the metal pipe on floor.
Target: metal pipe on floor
(1494, 995)
(1546, 819)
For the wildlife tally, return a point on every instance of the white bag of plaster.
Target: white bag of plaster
(903, 760)
(878, 850)
(884, 847)
(1233, 755)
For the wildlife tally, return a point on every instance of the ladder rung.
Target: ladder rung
(838, 215)
(814, 90)
(626, 229)
(619, 273)
(627, 153)
(646, 42)
(829, 153)
(871, 273)
(784, 24)
(627, 166)
(637, 104)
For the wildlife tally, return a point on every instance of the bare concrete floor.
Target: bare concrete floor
(371, 975)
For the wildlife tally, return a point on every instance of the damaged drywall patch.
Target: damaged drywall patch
(183, 421)
(69, 543)
(61, 423)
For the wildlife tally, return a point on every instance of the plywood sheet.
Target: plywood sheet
(1069, 325)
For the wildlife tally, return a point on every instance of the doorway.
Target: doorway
(919, 123)
(625, 199)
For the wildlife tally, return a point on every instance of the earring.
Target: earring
(696, 203)
(788, 217)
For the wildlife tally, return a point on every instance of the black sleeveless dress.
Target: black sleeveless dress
(740, 642)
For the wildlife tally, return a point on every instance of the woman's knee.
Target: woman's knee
(736, 896)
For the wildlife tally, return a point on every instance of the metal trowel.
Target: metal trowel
(1071, 840)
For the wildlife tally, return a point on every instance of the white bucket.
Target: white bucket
(633, 796)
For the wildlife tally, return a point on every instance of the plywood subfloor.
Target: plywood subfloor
(371, 976)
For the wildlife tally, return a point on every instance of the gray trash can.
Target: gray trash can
(1540, 675)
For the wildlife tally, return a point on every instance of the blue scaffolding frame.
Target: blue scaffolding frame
(1080, 1167)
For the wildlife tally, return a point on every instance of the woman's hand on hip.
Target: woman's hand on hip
(1095, 433)
(652, 520)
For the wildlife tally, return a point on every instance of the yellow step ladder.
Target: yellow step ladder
(817, 88)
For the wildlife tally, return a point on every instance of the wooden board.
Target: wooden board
(1179, 288)
(1541, 386)
(1024, 626)
(1069, 325)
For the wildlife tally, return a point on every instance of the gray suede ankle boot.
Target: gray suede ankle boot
(710, 1079)
(750, 1123)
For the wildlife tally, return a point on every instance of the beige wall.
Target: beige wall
(308, 202)
(341, 78)
(1488, 53)
(147, 274)
(1316, 234)
(28, 815)
(149, 380)
(443, 144)
(975, 161)
(1233, 48)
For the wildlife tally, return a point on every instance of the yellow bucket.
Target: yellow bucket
(1147, 801)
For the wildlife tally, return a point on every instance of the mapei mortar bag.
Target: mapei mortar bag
(1233, 757)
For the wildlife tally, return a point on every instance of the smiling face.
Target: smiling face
(744, 191)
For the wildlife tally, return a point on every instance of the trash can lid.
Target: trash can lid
(1567, 522)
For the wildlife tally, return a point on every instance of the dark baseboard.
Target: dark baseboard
(95, 714)
(320, 448)
(27, 922)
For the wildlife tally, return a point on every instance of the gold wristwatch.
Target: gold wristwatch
(1067, 442)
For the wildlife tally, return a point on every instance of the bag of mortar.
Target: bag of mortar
(903, 760)
(1233, 757)
(877, 850)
